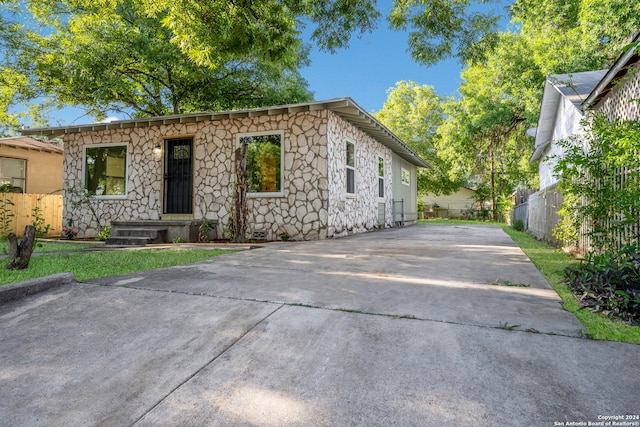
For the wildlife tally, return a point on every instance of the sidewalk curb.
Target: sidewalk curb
(25, 288)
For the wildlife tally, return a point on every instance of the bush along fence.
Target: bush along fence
(601, 186)
(17, 210)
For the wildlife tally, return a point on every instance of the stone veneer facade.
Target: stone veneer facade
(313, 203)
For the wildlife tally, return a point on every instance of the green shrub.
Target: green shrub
(609, 283)
(6, 210)
(518, 225)
(104, 234)
(39, 222)
(600, 183)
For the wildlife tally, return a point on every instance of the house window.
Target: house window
(380, 177)
(264, 159)
(351, 168)
(406, 177)
(12, 171)
(105, 170)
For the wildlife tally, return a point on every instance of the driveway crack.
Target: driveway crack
(208, 363)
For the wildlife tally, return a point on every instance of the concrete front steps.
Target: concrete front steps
(137, 236)
(143, 232)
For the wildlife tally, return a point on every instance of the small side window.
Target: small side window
(380, 177)
(12, 173)
(406, 177)
(351, 168)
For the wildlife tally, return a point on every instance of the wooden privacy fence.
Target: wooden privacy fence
(22, 209)
(542, 213)
(521, 213)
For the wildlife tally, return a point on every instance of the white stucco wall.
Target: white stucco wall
(407, 194)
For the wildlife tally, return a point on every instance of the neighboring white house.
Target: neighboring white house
(315, 170)
(566, 99)
(560, 116)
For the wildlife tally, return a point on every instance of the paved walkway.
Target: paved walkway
(416, 326)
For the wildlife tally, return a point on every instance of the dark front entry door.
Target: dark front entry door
(178, 176)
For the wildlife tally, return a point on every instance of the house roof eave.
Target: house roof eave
(32, 144)
(345, 108)
(551, 97)
(618, 70)
(572, 88)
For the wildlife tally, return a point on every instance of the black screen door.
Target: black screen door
(178, 176)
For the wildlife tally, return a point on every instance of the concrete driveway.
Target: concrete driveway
(419, 326)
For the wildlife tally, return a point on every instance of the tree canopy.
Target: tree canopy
(484, 136)
(121, 55)
(414, 113)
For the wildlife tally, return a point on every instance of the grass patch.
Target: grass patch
(498, 282)
(551, 262)
(44, 246)
(457, 221)
(93, 265)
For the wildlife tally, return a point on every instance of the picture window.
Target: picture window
(264, 160)
(105, 170)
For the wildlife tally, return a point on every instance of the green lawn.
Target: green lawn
(45, 245)
(92, 265)
(551, 263)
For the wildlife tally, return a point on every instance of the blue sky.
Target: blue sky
(373, 64)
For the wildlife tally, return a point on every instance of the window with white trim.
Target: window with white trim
(351, 168)
(380, 177)
(12, 172)
(405, 177)
(105, 169)
(264, 160)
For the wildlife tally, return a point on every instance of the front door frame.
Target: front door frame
(181, 209)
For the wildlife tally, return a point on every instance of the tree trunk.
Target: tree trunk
(493, 185)
(240, 206)
(14, 250)
(19, 256)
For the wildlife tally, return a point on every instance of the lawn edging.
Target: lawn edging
(551, 263)
(14, 291)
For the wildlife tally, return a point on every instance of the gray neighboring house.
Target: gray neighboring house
(566, 100)
(315, 170)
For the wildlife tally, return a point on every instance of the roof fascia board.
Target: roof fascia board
(610, 77)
